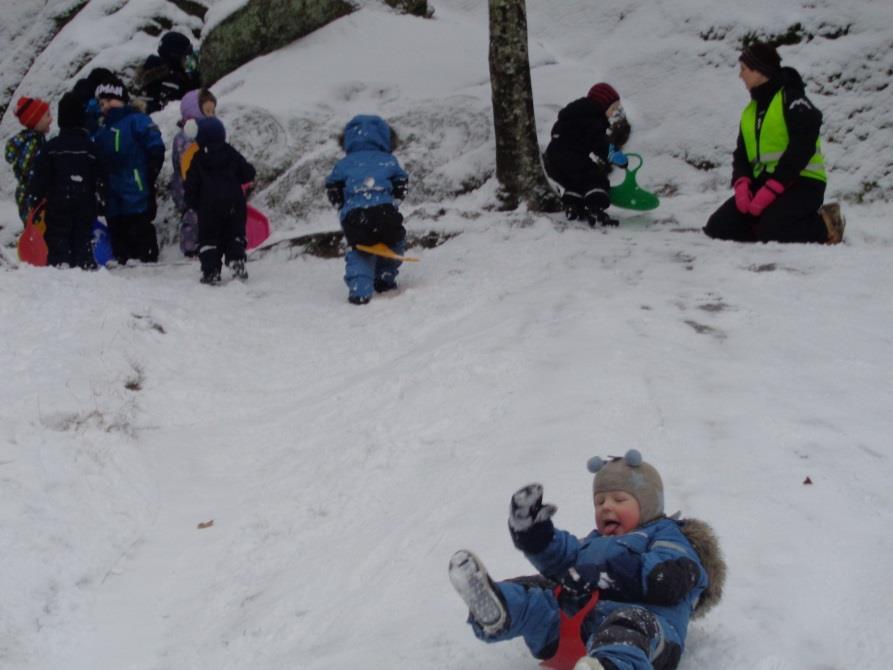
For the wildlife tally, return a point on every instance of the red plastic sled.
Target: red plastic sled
(257, 228)
(570, 646)
(31, 247)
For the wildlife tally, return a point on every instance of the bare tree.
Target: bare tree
(519, 166)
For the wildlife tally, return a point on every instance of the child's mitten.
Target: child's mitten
(530, 522)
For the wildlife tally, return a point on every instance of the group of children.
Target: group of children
(121, 158)
(111, 167)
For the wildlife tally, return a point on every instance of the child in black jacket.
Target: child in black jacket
(66, 174)
(586, 141)
(214, 190)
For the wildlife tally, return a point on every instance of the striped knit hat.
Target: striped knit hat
(30, 111)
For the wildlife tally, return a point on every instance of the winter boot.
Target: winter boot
(600, 216)
(471, 581)
(359, 299)
(238, 268)
(834, 222)
(382, 286)
(211, 278)
(573, 206)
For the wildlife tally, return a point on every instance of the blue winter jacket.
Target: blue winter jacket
(629, 560)
(131, 153)
(369, 172)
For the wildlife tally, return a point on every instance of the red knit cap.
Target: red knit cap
(30, 111)
(603, 95)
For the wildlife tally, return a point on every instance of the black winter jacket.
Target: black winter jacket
(67, 172)
(803, 120)
(214, 181)
(581, 128)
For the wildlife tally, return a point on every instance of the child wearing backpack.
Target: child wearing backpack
(66, 176)
(23, 147)
(367, 186)
(214, 189)
(652, 573)
(196, 104)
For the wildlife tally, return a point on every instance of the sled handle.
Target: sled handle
(638, 167)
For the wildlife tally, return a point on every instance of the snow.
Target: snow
(344, 453)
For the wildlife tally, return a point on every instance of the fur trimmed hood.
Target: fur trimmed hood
(704, 540)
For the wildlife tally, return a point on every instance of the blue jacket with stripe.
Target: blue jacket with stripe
(131, 153)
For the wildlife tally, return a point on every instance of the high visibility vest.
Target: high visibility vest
(765, 146)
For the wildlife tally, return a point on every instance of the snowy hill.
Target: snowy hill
(344, 453)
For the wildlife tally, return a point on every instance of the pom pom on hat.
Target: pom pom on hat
(30, 111)
(190, 129)
(604, 95)
(632, 475)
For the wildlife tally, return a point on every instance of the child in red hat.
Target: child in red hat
(23, 147)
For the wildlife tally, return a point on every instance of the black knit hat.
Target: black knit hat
(174, 46)
(112, 88)
(71, 112)
(761, 57)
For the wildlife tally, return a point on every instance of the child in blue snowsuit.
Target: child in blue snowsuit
(131, 153)
(366, 186)
(649, 577)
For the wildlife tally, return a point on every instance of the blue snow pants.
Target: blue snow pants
(628, 636)
(364, 272)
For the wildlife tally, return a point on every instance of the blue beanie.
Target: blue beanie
(210, 131)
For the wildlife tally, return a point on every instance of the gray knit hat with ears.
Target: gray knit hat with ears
(632, 475)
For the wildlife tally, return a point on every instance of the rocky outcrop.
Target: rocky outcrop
(262, 26)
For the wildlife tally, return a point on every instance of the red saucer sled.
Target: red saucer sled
(31, 247)
(570, 646)
(257, 228)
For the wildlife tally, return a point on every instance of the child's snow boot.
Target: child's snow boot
(471, 581)
(239, 271)
(382, 285)
(358, 299)
(834, 222)
(212, 278)
(600, 216)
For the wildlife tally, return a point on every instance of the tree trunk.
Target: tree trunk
(519, 167)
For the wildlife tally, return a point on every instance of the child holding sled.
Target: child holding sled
(66, 175)
(214, 189)
(585, 143)
(23, 147)
(652, 573)
(366, 186)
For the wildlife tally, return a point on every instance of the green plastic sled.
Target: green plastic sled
(629, 195)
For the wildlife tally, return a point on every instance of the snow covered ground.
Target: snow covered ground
(344, 453)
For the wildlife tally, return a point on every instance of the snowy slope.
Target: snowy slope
(344, 453)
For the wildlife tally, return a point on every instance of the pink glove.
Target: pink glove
(765, 196)
(742, 194)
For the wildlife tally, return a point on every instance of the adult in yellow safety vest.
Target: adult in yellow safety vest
(778, 168)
